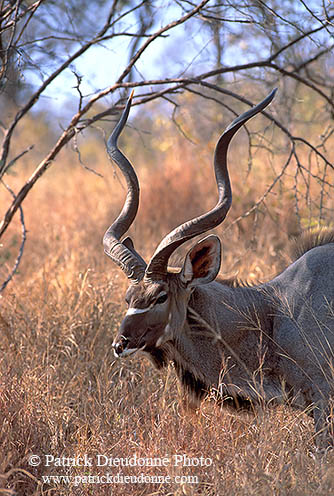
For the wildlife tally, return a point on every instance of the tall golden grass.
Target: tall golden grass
(62, 392)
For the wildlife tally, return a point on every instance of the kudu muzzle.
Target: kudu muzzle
(119, 345)
(130, 336)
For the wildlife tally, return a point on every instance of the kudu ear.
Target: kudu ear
(202, 262)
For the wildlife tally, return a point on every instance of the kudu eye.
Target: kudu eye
(161, 299)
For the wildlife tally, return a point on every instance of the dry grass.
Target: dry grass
(64, 394)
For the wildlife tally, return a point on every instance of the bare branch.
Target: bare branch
(24, 237)
(285, 59)
(169, 26)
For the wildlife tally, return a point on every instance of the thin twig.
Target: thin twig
(24, 237)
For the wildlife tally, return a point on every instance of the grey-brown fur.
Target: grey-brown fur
(298, 246)
(267, 343)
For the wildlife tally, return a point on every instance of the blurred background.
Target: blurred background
(66, 69)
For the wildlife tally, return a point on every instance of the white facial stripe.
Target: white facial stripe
(133, 310)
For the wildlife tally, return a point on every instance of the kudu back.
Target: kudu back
(268, 343)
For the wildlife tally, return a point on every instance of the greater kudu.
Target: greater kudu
(270, 342)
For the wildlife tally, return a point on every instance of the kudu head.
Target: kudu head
(157, 296)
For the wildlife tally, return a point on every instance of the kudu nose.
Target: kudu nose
(120, 345)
